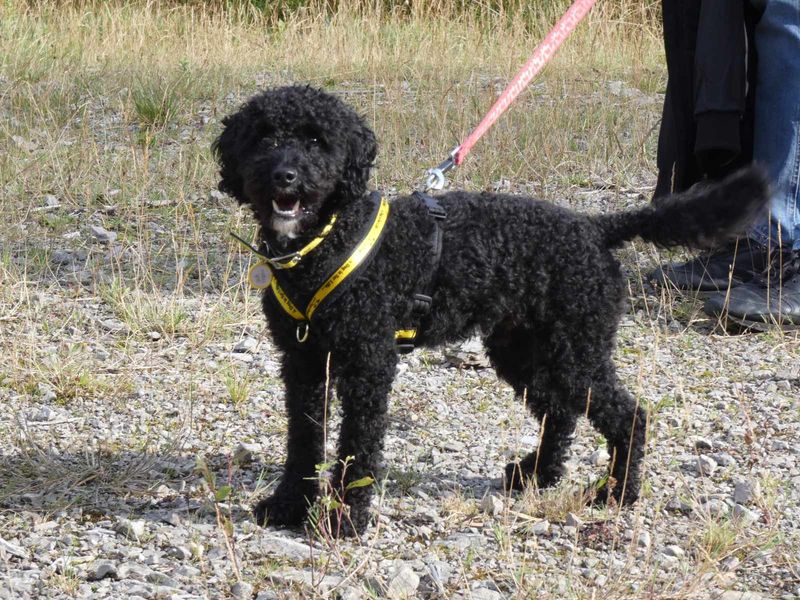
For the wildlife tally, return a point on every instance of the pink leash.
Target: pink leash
(541, 55)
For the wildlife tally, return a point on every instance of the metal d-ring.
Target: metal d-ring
(302, 337)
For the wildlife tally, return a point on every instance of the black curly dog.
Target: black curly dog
(537, 282)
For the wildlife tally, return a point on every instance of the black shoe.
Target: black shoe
(771, 298)
(715, 272)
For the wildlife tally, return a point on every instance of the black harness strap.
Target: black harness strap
(422, 299)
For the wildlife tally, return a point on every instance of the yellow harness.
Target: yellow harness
(261, 274)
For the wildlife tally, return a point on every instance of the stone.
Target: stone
(705, 465)
(130, 529)
(701, 443)
(674, 551)
(540, 528)
(573, 520)
(599, 458)
(643, 541)
(102, 235)
(242, 590)
(745, 491)
(723, 459)
(247, 344)
(45, 413)
(100, 570)
(484, 593)
(491, 505)
(179, 552)
(61, 257)
(403, 584)
(244, 453)
(8, 548)
(715, 508)
(744, 515)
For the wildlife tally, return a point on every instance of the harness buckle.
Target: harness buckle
(422, 304)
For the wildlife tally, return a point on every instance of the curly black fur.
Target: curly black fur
(536, 281)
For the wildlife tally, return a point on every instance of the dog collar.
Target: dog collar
(261, 274)
(287, 261)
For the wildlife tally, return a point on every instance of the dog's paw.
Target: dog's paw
(281, 511)
(348, 521)
(609, 492)
(520, 474)
(515, 478)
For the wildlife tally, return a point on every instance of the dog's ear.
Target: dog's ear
(362, 148)
(227, 149)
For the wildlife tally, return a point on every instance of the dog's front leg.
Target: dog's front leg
(363, 389)
(304, 375)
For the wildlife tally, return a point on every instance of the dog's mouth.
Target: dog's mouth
(288, 209)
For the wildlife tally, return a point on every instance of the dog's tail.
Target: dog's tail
(701, 217)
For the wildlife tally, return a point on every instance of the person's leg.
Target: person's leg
(776, 296)
(776, 145)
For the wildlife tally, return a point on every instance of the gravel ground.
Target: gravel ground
(131, 454)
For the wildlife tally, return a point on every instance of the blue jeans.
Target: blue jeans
(777, 120)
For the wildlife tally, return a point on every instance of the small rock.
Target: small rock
(732, 595)
(130, 529)
(12, 549)
(491, 505)
(113, 326)
(573, 520)
(242, 590)
(273, 544)
(599, 457)
(153, 336)
(102, 235)
(244, 453)
(46, 413)
(484, 593)
(26, 145)
(678, 505)
(61, 257)
(745, 491)
(643, 541)
(745, 515)
(101, 570)
(701, 443)
(247, 344)
(715, 508)
(706, 465)
(723, 459)
(179, 552)
(51, 201)
(218, 196)
(404, 584)
(674, 551)
(540, 528)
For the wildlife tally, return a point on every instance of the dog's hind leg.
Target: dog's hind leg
(623, 422)
(304, 374)
(518, 359)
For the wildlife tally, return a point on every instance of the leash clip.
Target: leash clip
(436, 178)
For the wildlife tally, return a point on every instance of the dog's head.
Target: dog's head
(294, 154)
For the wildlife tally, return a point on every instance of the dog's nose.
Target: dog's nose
(284, 177)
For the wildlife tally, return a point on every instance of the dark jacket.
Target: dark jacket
(707, 123)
